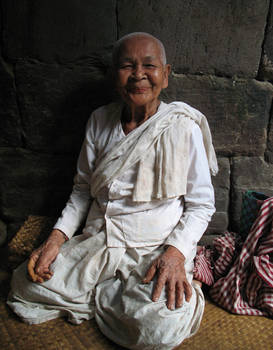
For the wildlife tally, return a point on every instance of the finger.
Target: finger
(46, 276)
(187, 291)
(30, 268)
(40, 270)
(43, 276)
(42, 265)
(171, 295)
(48, 272)
(45, 272)
(160, 283)
(46, 258)
(150, 274)
(179, 294)
(39, 279)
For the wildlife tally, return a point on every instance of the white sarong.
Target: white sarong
(92, 280)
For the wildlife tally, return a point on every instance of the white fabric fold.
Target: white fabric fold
(161, 145)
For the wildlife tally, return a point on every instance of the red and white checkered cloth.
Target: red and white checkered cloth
(202, 266)
(247, 288)
(226, 251)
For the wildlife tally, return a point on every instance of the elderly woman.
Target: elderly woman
(143, 181)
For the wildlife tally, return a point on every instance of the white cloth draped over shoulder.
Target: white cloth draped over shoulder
(164, 140)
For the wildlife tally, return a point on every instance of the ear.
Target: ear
(166, 73)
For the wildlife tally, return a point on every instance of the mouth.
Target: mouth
(138, 90)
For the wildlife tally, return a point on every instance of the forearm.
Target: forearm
(189, 230)
(75, 210)
(198, 202)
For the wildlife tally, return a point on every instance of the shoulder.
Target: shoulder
(183, 114)
(186, 109)
(106, 113)
(182, 105)
(103, 119)
(186, 114)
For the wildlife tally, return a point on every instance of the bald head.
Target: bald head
(119, 44)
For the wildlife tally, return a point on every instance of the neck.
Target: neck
(133, 116)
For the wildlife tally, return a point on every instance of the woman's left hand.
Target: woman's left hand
(171, 273)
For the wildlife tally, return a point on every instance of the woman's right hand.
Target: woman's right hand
(42, 257)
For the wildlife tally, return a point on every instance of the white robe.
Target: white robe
(99, 273)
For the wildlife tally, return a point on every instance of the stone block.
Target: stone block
(237, 110)
(10, 123)
(208, 37)
(218, 224)
(56, 102)
(62, 31)
(248, 173)
(221, 184)
(33, 183)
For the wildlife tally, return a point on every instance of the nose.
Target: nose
(138, 72)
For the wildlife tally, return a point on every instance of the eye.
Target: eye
(149, 65)
(126, 66)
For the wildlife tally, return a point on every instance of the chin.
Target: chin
(140, 100)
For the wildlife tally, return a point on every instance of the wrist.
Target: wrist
(171, 250)
(58, 237)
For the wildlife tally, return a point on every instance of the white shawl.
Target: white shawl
(161, 146)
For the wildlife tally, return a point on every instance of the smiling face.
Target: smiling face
(140, 72)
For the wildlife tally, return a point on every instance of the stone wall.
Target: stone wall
(54, 70)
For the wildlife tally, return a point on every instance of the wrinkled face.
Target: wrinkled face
(140, 73)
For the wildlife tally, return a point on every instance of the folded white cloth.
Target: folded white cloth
(161, 147)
